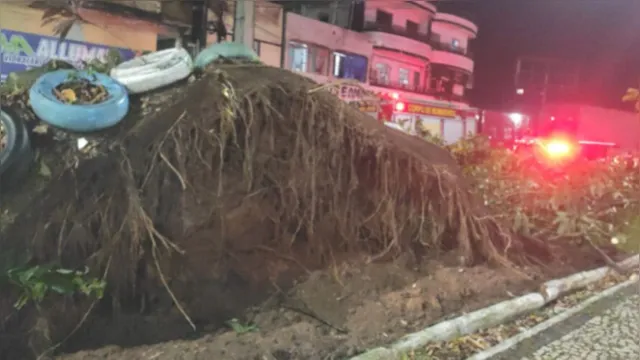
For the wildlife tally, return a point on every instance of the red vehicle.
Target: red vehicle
(566, 133)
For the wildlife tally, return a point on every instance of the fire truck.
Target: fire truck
(564, 133)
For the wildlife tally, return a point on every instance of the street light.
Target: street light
(519, 91)
(516, 119)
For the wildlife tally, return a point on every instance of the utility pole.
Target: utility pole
(534, 83)
(199, 25)
(545, 87)
(244, 22)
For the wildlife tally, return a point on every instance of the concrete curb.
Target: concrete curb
(515, 340)
(493, 315)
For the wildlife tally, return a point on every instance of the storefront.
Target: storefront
(22, 51)
(428, 120)
(359, 98)
(26, 41)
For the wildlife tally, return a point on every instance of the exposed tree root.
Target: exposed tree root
(254, 157)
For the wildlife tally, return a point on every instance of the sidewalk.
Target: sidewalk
(606, 330)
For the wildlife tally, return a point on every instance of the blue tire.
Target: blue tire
(79, 118)
(16, 157)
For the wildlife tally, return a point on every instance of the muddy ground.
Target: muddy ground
(333, 314)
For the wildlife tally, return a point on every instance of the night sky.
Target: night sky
(601, 36)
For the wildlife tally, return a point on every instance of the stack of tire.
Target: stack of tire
(137, 76)
(154, 70)
(16, 155)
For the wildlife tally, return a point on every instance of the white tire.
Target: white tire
(154, 70)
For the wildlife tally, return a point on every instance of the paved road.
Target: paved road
(607, 330)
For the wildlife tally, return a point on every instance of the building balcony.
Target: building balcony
(398, 39)
(446, 56)
(395, 30)
(421, 90)
(440, 46)
(392, 85)
(464, 23)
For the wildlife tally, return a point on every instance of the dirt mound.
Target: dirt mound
(230, 185)
(332, 314)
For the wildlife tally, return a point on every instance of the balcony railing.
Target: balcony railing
(424, 90)
(395, 30)
(440, 46)
(377, 81)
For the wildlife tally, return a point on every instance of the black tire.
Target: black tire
(16, 158)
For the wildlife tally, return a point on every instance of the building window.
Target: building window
(382, 73)
(349, 66)
(384, 18)
(298, 56)
(162, 44)
(308, 58)
(319, 58)
(403, 76)
(412, 28)
(324, 17)
(416, 79)
(256, 46)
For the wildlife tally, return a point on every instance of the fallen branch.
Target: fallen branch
(493, 315)
(472, 322)
(607, 259)
(553, 289)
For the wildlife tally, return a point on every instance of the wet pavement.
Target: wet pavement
(607, 330)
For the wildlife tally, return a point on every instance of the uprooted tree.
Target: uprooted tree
(250, 172)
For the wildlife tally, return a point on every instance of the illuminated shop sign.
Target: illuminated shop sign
(22, 51)
(431, 111)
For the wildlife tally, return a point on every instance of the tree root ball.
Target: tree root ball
(252, 173)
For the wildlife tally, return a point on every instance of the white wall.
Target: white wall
(447, 32)
(401, 12)
(444, 25)
(457, 60)
(338, 11)
(396, 61)
(270, 54)
(464, 23)
(327, 36)
(300, 28)
(382, 39)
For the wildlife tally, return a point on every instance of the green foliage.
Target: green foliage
(111, 60)
(596, 201)
(240, 328)
(432, 138)
(632, 96)
(471, 150)
(36, 282)
(18, 83)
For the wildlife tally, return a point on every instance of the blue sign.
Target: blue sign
(22, 51)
